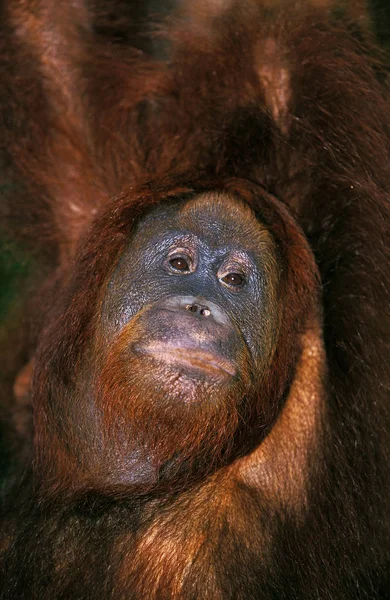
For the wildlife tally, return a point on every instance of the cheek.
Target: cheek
(126, 295)
(130, 291)
(259, 322)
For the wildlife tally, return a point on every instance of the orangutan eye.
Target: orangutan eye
(179, 263)
(233, 280)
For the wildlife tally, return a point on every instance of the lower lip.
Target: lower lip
(205, 361)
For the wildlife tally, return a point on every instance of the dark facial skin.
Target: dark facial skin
(199, 281)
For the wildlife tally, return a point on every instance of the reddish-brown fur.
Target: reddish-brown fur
(289, 111)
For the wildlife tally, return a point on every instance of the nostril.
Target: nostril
(203, 310)
(192, 308)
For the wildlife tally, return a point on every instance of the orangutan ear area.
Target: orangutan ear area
(194, 321)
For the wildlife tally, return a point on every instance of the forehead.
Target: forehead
(214, 217)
